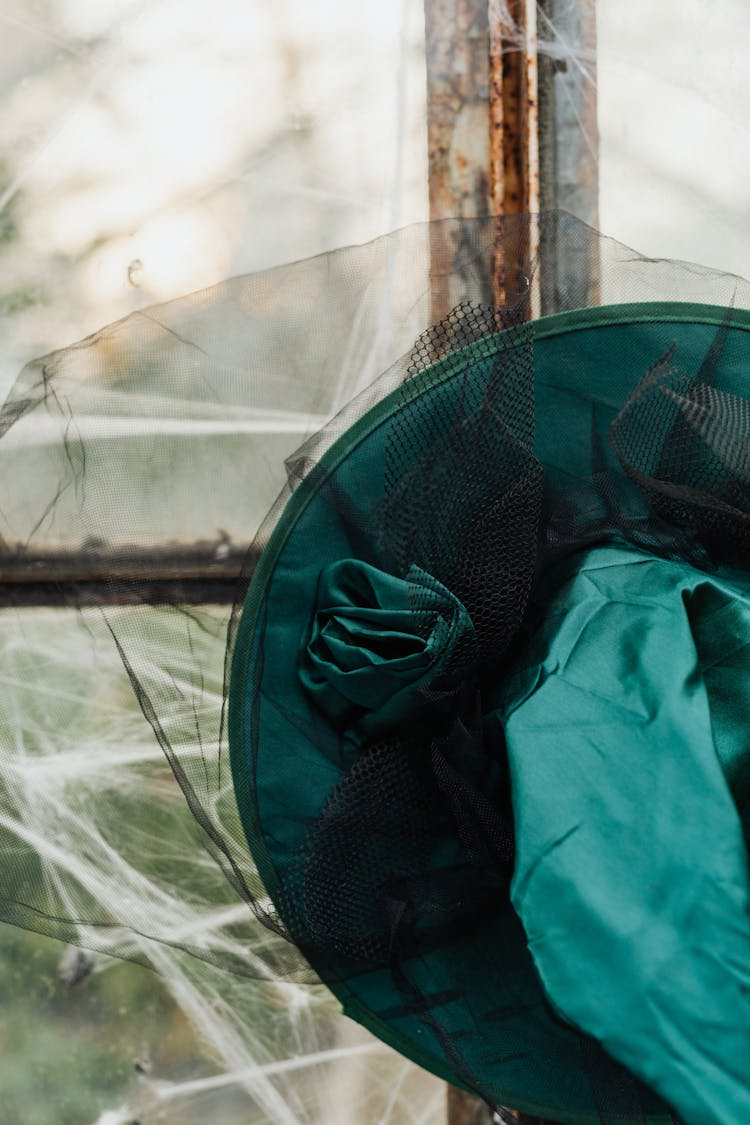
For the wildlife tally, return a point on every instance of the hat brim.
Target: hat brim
(586, 364)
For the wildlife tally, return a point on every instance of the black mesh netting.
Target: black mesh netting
(137, 468)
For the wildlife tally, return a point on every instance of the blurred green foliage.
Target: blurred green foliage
(68, 1053)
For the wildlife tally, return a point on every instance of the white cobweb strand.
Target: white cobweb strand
(53, 822)
(78, 736)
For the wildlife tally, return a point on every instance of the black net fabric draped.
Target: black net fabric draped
(144, 472)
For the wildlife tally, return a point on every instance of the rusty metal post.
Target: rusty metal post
(457, 52)
(457, 46)
(514, 122)
(482, 107)
(463, 1109)
(514, 137)
(569, 131)
(483, 144)
(512, 128)
(513, 1117)
(482, 127)
(568, 142)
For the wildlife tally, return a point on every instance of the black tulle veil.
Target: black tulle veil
(140, 466)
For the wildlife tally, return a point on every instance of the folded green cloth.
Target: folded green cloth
(627, 735)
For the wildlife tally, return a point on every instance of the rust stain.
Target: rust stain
(457, 51)
(514, 143)
(513, 1115)
(457, 39)
(482, 123)
(465, 1109)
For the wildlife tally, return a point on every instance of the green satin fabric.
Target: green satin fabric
(627, 736)
(376, 640)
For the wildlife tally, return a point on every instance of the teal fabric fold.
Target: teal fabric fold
(376, 642)
(629, 705)
(626, 727)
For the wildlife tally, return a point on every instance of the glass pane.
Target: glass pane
(147, 150)
(673, 119)
(153, 149)
(90, 1038)
(150, 149)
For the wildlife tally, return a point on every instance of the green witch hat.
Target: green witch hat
(489, 711)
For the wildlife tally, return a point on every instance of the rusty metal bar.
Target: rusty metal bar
(512, 131)
(482, 127)
(514, 138)
(203, 573)
(568, 84)
(568, 140)
(483, 146)
(464, 1109)
(457, 48)
(457, 53)
(513, 1117)
(514, 124)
